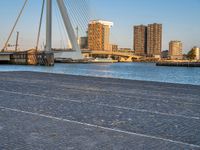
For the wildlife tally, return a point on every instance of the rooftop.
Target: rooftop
(107, 23)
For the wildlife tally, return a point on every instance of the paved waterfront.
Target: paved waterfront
(49, 111)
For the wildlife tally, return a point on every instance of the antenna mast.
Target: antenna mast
(17, 39)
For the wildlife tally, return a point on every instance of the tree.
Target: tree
(191, 54)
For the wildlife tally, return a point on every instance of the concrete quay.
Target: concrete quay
(65, 112)
(179, 64)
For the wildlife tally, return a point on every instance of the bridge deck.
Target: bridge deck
(123, 54)
(48, 111)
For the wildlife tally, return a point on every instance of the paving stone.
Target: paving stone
(52, 111)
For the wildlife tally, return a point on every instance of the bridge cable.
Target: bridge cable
(40, 24)
(81, 14)
(75, 12)
(74, 20)
(85, 9)
(85, 13)
(6, 44)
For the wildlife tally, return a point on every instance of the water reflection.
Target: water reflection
(133, 71)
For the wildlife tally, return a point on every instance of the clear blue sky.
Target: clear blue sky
(180, 19)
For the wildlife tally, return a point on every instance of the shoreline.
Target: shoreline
(179, 64)
(119, 70)
(101, 77)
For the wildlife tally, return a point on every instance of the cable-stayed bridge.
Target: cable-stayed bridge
(72, 19)
(68, 35)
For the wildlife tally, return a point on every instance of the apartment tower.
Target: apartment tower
(99, 34)
(154, 39)
(140, 40)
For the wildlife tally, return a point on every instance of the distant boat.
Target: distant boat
(104, 60)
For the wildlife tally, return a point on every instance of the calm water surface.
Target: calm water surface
(133, 71)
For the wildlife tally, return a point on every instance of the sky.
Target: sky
(180, 19)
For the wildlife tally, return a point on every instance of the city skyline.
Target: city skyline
(180, 20)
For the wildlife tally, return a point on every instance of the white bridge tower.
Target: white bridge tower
(75, 54)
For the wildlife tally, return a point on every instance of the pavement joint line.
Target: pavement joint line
(126, 96)
(41, 81)
(105, 105)
(108, 82)
(96, 126)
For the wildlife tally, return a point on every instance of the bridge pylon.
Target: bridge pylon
(75, 54)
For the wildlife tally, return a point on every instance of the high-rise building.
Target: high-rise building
(140, 40)
(99, 34)
(175, 50)
(154, 39)
(148, 40)
(197, 53)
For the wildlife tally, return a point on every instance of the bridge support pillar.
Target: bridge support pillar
(48, 25)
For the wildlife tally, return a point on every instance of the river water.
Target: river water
(133, 71)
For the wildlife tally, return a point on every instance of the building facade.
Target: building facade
(154, 39)
(99, 35)
(140, 40)
(175, 50)
(197, 53)
(114, 47)
(165, 54)
(148, 40)
(83, 42)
